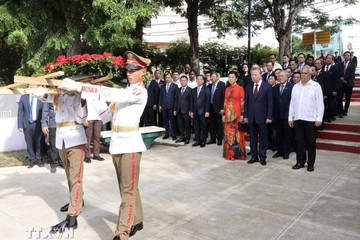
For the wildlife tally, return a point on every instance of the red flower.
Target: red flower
(61, 60)
(118, 61)
(50, 67)
(74, 59)
(96, 56)
(86, 57)
(106, 55)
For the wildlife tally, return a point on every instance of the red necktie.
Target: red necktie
(327, 68)
(256, 90)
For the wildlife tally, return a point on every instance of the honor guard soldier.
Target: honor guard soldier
(70, 113)
(126, 143)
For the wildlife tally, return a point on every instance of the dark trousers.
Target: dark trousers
(200, 128)
(272, 136)
(149, 116)
(183, 120)
(348, 92)
(94, 129)
(330, 106)
(283, 135)
(159, 118)
(32, 135)
(260, 130)
(216, 125)
(169, 122)
(305, 135)
(54, 152)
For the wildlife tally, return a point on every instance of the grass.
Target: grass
(16, 158)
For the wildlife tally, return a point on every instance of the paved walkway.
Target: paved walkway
(192, 193)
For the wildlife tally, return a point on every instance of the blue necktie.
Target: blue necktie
(31, 107)
(212, 94)
(281, 89)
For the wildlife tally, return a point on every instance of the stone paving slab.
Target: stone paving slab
(193, 193)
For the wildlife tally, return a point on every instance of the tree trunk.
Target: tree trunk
(75, 47)
(72, 25)
(192, 17)
(284, 43)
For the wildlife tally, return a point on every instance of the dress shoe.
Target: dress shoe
(286, 156)
(298, 166)
(40, 164)
(173, 138)
(219, 142)
(87, 160)
(334, 118)
(180, 140)
(278, 154)
(249, 153)
(135, 228)
(202, 145)
(52, 169)
(69, 222)
(211, 141)
(116, 238)
(345, 114)
(328, 120)
(66, 207)
(166, 137)
(60, 163)
(196, 144)
(262, 162)
(252, 160)
(31, 164)
(187, 141)
(310, 168)
(341, 116)
(98, 158)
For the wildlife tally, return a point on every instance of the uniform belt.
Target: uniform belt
(124, 128)
(66, 124)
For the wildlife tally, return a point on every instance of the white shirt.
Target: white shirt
(177, 83)
(259, 84)
(34, 106)
(129, 106)
(307, 102)
(192, 84)
(277, 66)
(92, 113)
(68, 109)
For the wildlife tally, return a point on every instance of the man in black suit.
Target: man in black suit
(217, 97)
(258, 113)
(353, 58)
(29, 122)
(166, 106)
(285, 62)
(225, 65)
(160, 82)
(337, 58)
(347, 77)
(182, 110)
(321, 78)
(282, 97)
(153, 90)
(333, 78)
(200, 105)
(269, 68)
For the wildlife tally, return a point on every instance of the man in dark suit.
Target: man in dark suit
(337, 58)
(282, 97)
(217, 97)
(29, 122)
(347, 77)
(199, 108)
(285, 62)
(269, 67)
(333, 78)
(321, 78)
(182, 110)
(258, 113)
(166, 106)
(225, 65)
(353, 58)
(153, 90)
(160, 82)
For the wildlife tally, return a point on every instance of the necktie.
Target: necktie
(327, 68)
(198, 91)
(147, 84)
(212, 94)
(281, 88)
(256, 90)
(267, 76)
(31, 107)
(167, 88)
(345, 66)
(182, 91)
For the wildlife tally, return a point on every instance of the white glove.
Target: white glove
(70, 85)
(40, 92)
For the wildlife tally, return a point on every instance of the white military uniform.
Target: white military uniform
(129, 106)
(69, 117)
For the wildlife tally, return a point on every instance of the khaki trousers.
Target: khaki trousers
(73, 159)
(127, 168)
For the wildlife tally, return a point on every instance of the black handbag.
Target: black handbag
(243, 126)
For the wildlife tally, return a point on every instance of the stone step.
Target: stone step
(339, 135)
(337, 145)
